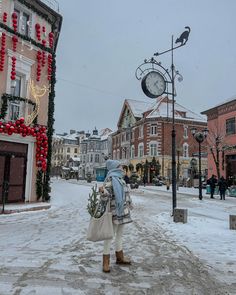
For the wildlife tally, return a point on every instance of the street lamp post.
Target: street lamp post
(155, 81)
(199, 137)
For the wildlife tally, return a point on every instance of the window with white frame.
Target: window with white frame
(24, 19)
(14, 106)
(153, 129)
(68, 150)
(185, 150)
(132, 155)
(140, 150)
(153, 149)
(185, 131)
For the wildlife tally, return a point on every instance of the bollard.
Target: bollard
(232, 221)
(180, 215)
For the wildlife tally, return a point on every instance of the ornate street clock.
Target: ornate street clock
(153, 84)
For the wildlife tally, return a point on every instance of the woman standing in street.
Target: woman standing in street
(116, 190)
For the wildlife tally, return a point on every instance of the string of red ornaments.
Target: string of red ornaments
(2, 52)
(39, 58)
(38, 31)
(49, 67)
(14, 21)
(51, 39)
(39, 132)
(4, 17)
(13, 68)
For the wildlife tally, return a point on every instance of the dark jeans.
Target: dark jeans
(212, 192)
(222, 195)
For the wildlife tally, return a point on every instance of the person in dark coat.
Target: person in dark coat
(222, 187)
(212, 182)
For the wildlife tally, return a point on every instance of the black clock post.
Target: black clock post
(153, 87)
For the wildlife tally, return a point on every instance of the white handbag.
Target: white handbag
(101, 228)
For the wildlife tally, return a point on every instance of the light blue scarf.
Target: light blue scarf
(118, 189)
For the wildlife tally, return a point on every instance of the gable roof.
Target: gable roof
(161, 107)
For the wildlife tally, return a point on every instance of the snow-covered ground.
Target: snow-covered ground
(206, 232)
(46, 252)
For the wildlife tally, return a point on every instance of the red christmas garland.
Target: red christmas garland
(4, 17)
(2, 52)
(13, 68)
(49, 66)
(39, 132)
(39, 58)
(14, 17)
(38, 31)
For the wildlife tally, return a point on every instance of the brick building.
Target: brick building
(144, 134)
(221, 120)
(29, 32)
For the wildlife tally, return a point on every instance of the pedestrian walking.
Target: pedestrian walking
(212, 182)
(222, 183)
(116, 191)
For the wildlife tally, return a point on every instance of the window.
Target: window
(140, 150)
(185, 131)
(97, 158)
(14, 106)
(132, 155)
(91, 158)
(185, 150)
(23, 19)
(153, 130)
(230, 126)
(68, 150)
(75, 150)
(153, 149)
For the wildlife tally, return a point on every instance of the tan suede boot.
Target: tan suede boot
(121, 259)
(106, 263)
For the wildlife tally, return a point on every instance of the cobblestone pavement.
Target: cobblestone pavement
(46, 252)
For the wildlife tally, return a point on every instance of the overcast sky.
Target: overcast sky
(103, 42)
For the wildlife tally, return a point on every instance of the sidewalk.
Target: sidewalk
(24, 207)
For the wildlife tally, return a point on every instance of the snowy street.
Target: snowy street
(46, 252)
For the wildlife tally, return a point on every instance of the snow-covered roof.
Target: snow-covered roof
(104, 133)
(139, 106)
(162, 107)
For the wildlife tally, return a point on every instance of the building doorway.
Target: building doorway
(231, 169)
(13, 160)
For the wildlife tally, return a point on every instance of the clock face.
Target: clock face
(153, 84)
